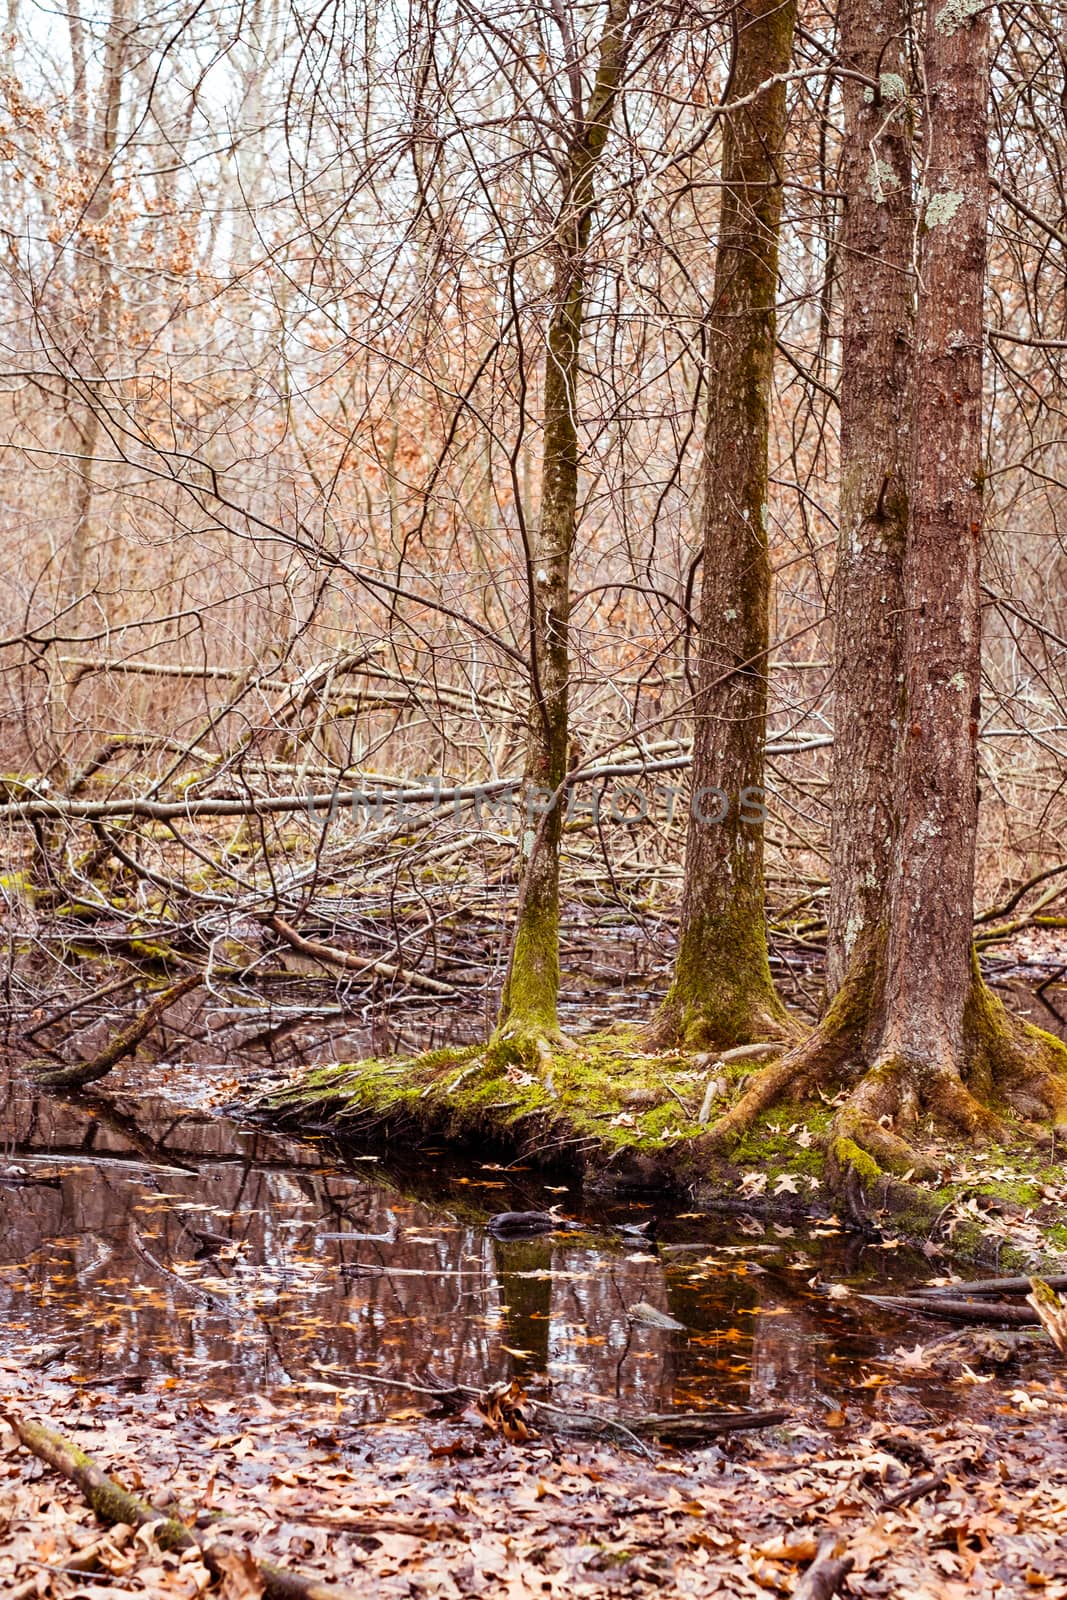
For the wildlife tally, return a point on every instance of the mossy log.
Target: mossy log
(112, 1503)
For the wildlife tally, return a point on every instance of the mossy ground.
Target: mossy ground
(621, 1117)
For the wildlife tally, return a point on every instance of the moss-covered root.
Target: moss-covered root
(529, 1044)
(819, 1059)
(1006, 1065)
(883, 1099)
(1022, 1065)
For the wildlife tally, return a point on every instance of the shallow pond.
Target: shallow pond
(164, 1247)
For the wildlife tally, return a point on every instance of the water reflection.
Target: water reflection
(175, 1243)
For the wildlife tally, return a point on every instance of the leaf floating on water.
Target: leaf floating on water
(651, 1318)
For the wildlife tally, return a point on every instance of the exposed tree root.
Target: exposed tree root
(818, 1059)
(532, 1047)
(1008, 1066)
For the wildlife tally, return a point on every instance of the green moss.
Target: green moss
(18, 886)
(611, 1102)
(150, 950)
(722, 993)
(846, 1153)
(600, 1087)
(771, 1146)
(528, 1007)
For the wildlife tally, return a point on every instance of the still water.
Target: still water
(158, 1244)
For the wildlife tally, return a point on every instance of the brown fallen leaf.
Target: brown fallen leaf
(789, 1547)
(241, 1576)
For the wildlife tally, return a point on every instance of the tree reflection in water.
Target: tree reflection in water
(180, 1245)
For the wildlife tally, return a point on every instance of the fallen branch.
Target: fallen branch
(996, 1311)
(123, 1044)
(912, 1492)
(343, 958)
(988, 1286)
(826, 1574)
(679, 1427)
(1052, 1312)
(112, 1503)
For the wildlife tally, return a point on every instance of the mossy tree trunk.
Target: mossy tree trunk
(913, 1031)
(528, 1008)
(722, 993)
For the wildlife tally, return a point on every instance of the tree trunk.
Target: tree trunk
(104, 145)
(722, 992)
(878, 311)
(928, 961)
(917, 1032)
(531, 990)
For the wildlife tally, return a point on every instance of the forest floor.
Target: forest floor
(940, 1477)
(937, 1504)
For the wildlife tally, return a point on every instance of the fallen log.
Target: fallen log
(528, 1224)
(113, 1504)
(995, 1311)
(987, 1286)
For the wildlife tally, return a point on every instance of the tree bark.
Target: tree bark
(722, 993)
(912, 1030)
(531, 990)
(928, 961)
(878, 291)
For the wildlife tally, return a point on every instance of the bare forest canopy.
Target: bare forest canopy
(277, 287)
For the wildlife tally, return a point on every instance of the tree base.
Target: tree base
(885, 1100)
(707, 1027)
(531, 1045)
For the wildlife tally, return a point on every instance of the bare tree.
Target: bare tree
(531, 989)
